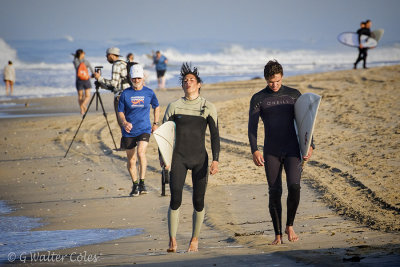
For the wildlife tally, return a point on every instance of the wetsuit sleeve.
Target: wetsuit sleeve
(169, 112)
(212, 121)
(254, 115)
(359, 35)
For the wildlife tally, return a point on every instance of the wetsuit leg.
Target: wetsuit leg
(199, 179)
(293, 171)
(273, 170)
(198, 218)
(177, 181)
(365, 54)
(173, 221)
(360, 56)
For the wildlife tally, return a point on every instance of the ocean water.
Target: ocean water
(44, 67)
(17, 241)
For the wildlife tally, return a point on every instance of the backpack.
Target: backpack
(128, 68)
(82, 72)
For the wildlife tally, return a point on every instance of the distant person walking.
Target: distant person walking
(161, 67)
(365, 29)
(275, 105)
(82, 83)
(134, 114)
(9, 77)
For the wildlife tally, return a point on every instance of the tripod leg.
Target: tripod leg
(84, 115)
(105, 116)
(163, 178)
(97, 100)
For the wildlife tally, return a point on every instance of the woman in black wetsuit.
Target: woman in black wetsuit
(275, 105)
(191, 114)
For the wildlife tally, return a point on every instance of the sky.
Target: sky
(174, 20)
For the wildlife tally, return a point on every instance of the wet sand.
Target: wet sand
(349, 209)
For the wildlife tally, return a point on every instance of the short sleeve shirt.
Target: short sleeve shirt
(136, 107)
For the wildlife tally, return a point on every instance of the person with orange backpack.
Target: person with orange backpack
(83, 84)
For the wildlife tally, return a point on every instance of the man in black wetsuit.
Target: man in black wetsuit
(275, 105)
(363, 51)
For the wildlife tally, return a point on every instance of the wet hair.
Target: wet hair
(271, 68)
(187, 69)
(78, 53)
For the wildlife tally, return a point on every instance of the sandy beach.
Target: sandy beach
(349, 209)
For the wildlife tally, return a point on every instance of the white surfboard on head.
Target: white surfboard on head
(351, 39)
(165, 138)
(305, 112)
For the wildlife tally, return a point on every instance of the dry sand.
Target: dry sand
(349, 209)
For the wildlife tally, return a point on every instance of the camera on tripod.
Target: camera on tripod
(98, 69)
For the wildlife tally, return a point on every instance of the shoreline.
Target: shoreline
(88, 189)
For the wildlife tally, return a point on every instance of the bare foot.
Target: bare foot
(194, 245)
(173, 246)
(292, 237)
(278, 240)
(84, 109)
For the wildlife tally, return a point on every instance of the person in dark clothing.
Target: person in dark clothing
(191, 114)
(363, 51)
(275, 105)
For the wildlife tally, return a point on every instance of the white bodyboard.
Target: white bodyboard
(305, 111)
(351, 39)
(165, 138)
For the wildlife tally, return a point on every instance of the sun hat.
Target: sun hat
(113, 51)
(136, 71)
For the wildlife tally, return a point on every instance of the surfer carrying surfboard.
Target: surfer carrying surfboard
(134, 114)
(365, 29)
(191, 114)
(275, 105)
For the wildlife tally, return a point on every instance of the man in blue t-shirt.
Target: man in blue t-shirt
(161, 67)
(134, 114)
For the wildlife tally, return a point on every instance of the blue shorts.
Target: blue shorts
(82, 85)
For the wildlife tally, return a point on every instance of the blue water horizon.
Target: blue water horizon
(44, 67)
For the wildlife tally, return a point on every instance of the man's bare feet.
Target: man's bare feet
(292, 237)
(278, 240)
(194, 245)
(173, 246)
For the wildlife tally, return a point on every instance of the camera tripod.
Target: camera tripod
(98, 98)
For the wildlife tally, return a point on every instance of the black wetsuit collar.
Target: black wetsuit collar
(269, 90)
